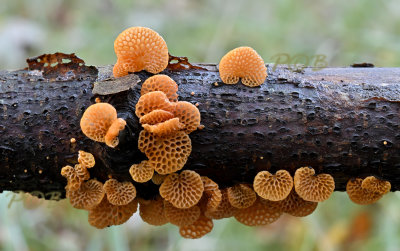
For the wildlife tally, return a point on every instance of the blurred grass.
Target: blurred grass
(204, 30)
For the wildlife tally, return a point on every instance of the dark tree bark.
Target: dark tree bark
(341, 121)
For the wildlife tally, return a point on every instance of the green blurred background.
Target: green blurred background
(346, 32)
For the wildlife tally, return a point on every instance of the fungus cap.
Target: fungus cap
(162, 83)
(296, 206)
(96, 121)
(140, 48)
(166, 154)
(119, 193)
(359, 195)
(151, 101)
(188, 114)
(141, 172)
(111, 137)
(224, 209)
(241, 196)
(81, 172)
(212, 193)
(273, 187)
(261, 213)
(313, 188)
(245, 63)
(376, 185)
(181, 216)
(199, 228)
(89, 195)
(106, 214)
(73, 181)
(156, 116)
(152, 212)
(182, 190)
(165, 128)
(86, 159)
(157, 178)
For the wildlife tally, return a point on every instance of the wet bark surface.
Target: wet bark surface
(341, 121)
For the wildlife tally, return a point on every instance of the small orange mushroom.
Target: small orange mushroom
(245, 63)
(188, 114)
(224, 209)
(119, 193)
(86, 159)
(89, 195)
(165, 128)
(199, 228)
(296, 206)
(161, 83)
(166, 154)
(261, 213)
(241, 196)
(359, 195)
(140, 48)
(99, 123)
(106, 214)
(313, 187)
(212, 193)
(374, 184)
(156, 116)
(181, 216)
(156, 100)
(75, 176)
(182, 190)
(141, 172)
(273, 187)
(152, 212)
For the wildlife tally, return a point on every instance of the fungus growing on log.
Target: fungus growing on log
(75, 176)
(374, 184)
(273, 187)
(313, 187)
(161, 83)
(241, 196)
(244, 63)
(152, 212)
(182, 190)
(106, 214)
(155, 117)
(140, 48)
(262, 212)
(156, 100)
(86, 159)
(188, 114)
(296, 206)
(89, 195)
(181, 216)
(165, 128)
(359, 195)
(141, 172)
(119, 193)
(166, 154)
(100, 123)
(211, 193)
(199, 228)
(224, 209)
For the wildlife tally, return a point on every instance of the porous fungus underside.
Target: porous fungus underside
(186, 199)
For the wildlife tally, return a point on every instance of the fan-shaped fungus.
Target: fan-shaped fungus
(313, 187)
(141, 172)
(241, 196)
(165, 128)
(155, 117)
(188, 114)
(360, 195)
(224, 209)
(199, 228)
(161, 83)
(273, 187)
(89, 195)
(376, 185)
(99, 122)
(156, 100)
(182, 190)
(212, 193)
(245, 63)
(296, 206)
(166, 154)
(119, 193)
(262, 212)
(181, 216)
(74, 178)
(140, 48)
(86, 159)
(152, 212)
(106, 214)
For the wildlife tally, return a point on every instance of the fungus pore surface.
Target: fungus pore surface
(161, 83)
(273, 187)
(313, 187)
(119, 193)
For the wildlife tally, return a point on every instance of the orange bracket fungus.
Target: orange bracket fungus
(141, 172)
(244, 63)
(273, 187)
(100, 123)
(241, 196)
(181, 216)
(188, 114)
(156, 116)
(140, 48)
(161, 83)
(153, 101)
(212, 194)
(86, 159)
(75, 176)
(182, 190)
(89, 195)
(165, 128)
(296, 206)
(262, 212)
(366, 191)
(119, 193)
(224, 208)
(313, 187)
(152, 212)
(199, 228)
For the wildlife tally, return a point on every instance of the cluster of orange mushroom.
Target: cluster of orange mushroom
(186, 199)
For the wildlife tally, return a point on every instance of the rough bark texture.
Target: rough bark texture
(341, 121)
